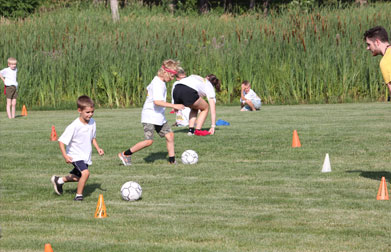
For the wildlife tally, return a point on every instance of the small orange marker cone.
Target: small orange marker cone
(24, 111)
(48, 247)
(100, 211)
(53, 135)
(382, 194)
(295, 140)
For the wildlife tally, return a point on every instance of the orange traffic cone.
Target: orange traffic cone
(24, 111)
(100, 211)
(53, 135)
(382, 194)
(48, 247)
(295, 140)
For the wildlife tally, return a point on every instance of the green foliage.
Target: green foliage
(187, 6)
(18, 8)
(302, 4)
(290, 58)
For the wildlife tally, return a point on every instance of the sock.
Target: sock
(79, 195)
(60, 181)
(128, 152)
(171, 159)
(191, 130)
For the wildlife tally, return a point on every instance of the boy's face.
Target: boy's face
(247, 88)
(86, 114)
(12, 65)
(168, 78)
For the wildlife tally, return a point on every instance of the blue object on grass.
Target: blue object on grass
(222, 123)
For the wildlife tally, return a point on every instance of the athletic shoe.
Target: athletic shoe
(78, 198)
(126, 159)
(190, 134)
(57, 186)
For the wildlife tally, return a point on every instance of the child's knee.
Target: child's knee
(148, 142)
(170, 137)
(85, 173)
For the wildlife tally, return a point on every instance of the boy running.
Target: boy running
(152, 115)
(78, 137)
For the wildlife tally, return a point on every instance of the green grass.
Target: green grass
(250, 191)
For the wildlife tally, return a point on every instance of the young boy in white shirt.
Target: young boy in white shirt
(78, 137)
(8, 75)
(249, 100)
(152, 115)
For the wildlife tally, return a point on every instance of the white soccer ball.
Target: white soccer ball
(131, 191)
(189, 157)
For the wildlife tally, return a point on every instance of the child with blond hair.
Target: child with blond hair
(153, 113)
(8, 76)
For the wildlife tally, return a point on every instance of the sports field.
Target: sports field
(250, 191)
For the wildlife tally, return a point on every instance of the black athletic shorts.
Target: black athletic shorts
(185, 95)
(78, 167)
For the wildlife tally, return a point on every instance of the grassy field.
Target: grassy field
(250, 191)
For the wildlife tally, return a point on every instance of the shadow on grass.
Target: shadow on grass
(186, 129)
(152, 157)
(88, 189)
(375, 175)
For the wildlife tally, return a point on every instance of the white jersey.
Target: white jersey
(251, 95)
(152, 113)
(78, 137)
(203, 87)
(9, 76)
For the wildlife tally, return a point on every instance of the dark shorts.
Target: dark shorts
(162, 130)
(79, 166)
(185, 95)
(11, 92)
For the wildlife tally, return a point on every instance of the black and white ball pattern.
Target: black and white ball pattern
(189, 157)
(131, 191)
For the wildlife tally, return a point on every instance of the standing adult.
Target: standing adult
(190, 91)
(376, 39)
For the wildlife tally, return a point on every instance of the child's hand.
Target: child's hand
(68, 159)
(179, 106)
(212, 131)
(100, 152)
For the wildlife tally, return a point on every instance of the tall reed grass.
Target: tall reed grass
(289, 58)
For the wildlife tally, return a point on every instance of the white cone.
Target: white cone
(326, 164)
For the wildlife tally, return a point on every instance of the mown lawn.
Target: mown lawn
(250, 191)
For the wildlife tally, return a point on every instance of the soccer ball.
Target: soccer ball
(189, 157)
(131, 191)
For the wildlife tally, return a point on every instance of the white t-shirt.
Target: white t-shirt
(78, 137)
(200, 84)
(251, 95)
(9, 76)
(152, 113)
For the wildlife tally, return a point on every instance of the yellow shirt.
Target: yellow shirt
(385, 66)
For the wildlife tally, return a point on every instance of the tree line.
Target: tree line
(23, 8)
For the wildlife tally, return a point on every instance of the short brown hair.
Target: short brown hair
(85, 101)
(245, 82)
(377, 32)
